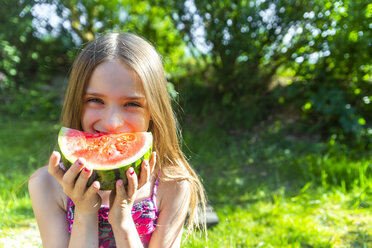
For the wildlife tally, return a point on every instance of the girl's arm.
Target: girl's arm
(47, 202)
(46, 206)
(173, 207)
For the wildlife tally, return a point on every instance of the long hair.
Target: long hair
(140, 56)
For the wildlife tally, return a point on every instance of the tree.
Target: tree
(334, 71)
(326, 45)
(89, 19)
(34, 51)
(27, 56)
(247, 41)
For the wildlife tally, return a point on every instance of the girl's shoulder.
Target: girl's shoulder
(48, 203)
(41, 177)
(174, 203)
(42, 186)
(172, 193)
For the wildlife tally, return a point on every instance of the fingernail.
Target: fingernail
(147, 163)
(80, 161)
(96, 185)
(120, 182)
(86, 168)
(131, 171)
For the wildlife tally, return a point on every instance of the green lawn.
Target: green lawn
(269, 189)
(24, 146)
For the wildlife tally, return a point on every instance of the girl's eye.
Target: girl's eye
(132, 104)
(94, 100)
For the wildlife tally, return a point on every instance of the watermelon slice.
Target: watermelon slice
(109, 155)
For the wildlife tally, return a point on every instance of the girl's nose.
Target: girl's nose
(113, 119)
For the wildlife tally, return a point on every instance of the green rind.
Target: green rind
(108, 178)
(71, 158)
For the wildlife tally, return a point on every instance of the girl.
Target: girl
(117, 84)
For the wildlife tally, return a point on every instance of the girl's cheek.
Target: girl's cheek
(89, 117)
(138, 122)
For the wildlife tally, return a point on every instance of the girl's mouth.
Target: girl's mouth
(100, 132)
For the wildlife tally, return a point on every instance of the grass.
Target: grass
(312, 219)
(24, 146)
(269, 189)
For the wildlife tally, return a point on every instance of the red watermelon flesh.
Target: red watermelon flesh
(108, 154)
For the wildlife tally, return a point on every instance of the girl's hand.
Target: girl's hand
(122, 198)
(74, 184)
(146, 170)
(121, 201)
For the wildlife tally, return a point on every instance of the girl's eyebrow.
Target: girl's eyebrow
(93, 94)
(128, 97)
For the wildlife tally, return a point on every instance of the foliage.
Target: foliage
(332, 74)
(246, 43)
(90, 19)
(240, 57)
(246, 49)
(37, 55)
(40, 102)
(28, 58)
(29, 63)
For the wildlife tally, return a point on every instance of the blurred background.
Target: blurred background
(273, 97)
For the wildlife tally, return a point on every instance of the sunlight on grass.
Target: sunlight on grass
(313, 219)
(25, 235)
(272, 191)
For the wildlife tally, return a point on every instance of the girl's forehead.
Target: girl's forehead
(114, 78)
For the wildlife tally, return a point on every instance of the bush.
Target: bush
(39, 103)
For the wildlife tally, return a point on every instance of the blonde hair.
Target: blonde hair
(142, 58)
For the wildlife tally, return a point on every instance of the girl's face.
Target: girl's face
(115, 101)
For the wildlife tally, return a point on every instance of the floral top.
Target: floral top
(144, 214)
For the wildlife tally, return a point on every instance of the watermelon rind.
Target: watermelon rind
(107, 175)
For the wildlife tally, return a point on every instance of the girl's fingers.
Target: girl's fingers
(152, 162)
(113, 194)
(119, 196)
(145, 173)
(53, 166)
(119, 192)
(81, 182)
(125, 194)
(93, 189)
(68, 180)
(147, 167)
(132, 184)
